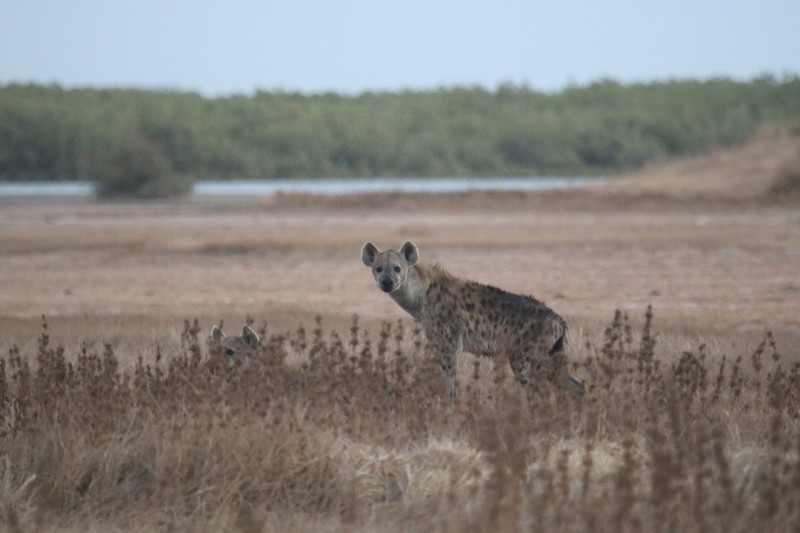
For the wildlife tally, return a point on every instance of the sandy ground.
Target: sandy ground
(729, 270)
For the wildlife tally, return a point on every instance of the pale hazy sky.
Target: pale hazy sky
(350, 46)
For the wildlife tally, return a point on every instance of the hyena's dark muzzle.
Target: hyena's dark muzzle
(386, 284)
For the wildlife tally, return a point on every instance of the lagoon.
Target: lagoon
(331, 186)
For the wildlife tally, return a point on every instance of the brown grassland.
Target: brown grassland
(681, 286)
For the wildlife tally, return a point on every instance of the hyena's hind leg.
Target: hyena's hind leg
(520, 363)
(543, 361)
(557, 353)
(233, 347)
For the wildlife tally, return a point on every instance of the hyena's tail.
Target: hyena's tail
(559, 347)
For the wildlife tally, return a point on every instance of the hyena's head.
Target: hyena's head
(234, 346)
(390, 267)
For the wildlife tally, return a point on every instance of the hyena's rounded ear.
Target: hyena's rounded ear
(249, 336)
(410, 253)
(216, 334)
(368, 253)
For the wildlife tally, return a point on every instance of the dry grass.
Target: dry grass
(323, 432)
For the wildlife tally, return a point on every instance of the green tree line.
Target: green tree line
(52, 133)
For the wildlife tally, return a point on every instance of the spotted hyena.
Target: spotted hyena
(457, 315)
(233, 347)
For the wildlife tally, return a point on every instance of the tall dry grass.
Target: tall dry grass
(320, 431)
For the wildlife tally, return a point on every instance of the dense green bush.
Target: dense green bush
(47, 132)
(136, 168)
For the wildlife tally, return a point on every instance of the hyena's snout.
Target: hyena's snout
(387, 284)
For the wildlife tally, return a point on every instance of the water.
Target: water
(317, 186)
(48, 188)
(383, 185)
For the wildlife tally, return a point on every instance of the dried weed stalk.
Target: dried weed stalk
(352, 433)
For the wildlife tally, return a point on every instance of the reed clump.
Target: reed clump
(320, 430)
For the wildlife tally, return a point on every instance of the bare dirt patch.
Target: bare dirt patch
(744, 173)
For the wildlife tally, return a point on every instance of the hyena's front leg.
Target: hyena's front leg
(448, 356)
(449, 370)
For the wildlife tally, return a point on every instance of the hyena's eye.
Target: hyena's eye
(378, 269)
(397, 269)
(230, 352)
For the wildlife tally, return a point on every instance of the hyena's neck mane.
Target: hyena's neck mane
(430, 272)
(411, 294)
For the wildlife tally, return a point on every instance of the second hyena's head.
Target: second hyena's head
(390, 267)
(234, 346)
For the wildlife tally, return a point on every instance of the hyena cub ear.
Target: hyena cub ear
(368, 253)
(219, 342)
(249, 337)
(217, 335)
(410, 253)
